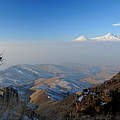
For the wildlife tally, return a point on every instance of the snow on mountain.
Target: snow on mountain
(25, 75)
(22, 74)
(80, 39)
(107, 37)
(58, 81)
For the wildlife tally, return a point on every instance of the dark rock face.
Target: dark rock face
(8, 99)
(12, 108)
(100, 102)
(10, 95)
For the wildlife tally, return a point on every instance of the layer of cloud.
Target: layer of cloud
(80, 39)
(117, 24)
(30, 53)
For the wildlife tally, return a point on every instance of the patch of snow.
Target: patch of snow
(35, 118)
(80, 98)
(49, 97)
(42, 87)
(102, 103)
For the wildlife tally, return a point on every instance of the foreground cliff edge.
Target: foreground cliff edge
(101, 102)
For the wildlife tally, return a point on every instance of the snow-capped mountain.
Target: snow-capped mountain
(107, 37)
(80, 39)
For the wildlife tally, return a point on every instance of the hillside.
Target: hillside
(36, 101)
(55, 81)
(101, 102)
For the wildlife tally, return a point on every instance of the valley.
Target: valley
(48, 85)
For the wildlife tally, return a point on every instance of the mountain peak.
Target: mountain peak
(107, 37)
(109, 34)
(79, 39)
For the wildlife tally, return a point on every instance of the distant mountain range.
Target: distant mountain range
(24, 74)
(64, 91)
(107, 37)
(58, 81)
(100, 102)
(65, 79)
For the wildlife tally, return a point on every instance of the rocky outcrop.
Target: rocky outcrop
(12, 107)
(100, 102)
(9, 101)
(8, 98)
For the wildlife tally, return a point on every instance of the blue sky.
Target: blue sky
(41, 31)
(57, 19)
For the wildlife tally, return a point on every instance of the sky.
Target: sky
(41, 31)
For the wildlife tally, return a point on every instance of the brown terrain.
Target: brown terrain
(101, 102)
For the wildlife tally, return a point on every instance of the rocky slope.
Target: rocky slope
(44, 94)
(9, 101)
(12, 108)
(58, 80)
(101, 102)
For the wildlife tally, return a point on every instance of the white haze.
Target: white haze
(58, 52)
